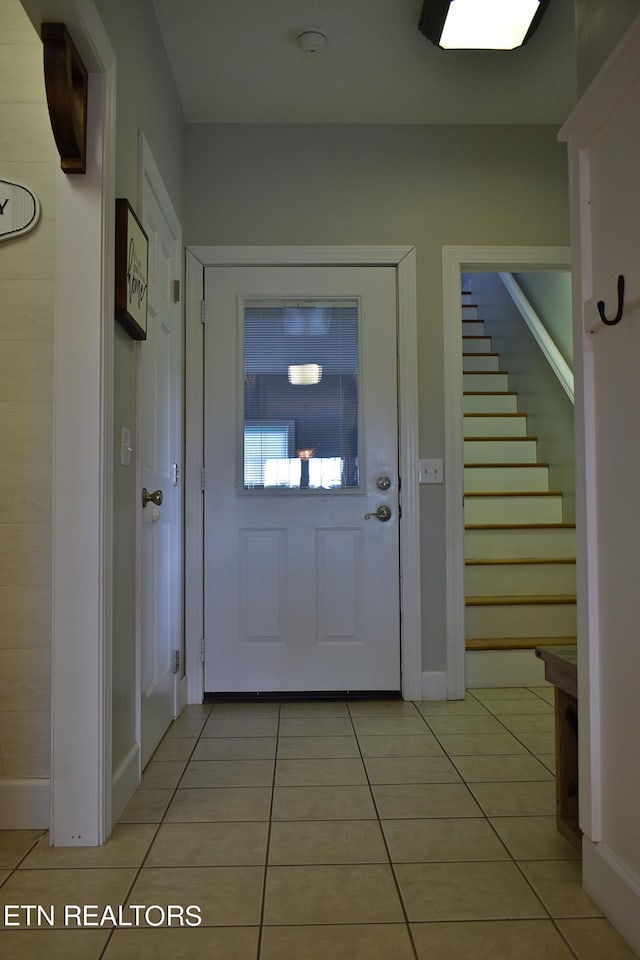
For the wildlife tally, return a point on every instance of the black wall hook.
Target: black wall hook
(618, 316)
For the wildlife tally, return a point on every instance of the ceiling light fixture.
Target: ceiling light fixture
(480, 24)
(304, 374)
(312, 41)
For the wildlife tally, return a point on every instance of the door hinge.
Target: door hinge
(202, 649)
(202, 311)
(176, 291)
(202, 479)
(176, 661)
(175, 474)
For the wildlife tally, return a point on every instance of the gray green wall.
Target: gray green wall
(427, 186)
(600, 24)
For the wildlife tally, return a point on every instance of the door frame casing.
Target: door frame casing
(455, 261)
(403, 258)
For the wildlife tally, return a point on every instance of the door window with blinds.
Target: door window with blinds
(300, 395)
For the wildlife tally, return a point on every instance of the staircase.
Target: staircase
(519, 554)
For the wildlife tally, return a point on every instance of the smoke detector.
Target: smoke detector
(312, 41)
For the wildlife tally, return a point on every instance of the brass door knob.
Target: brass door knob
(155, 497)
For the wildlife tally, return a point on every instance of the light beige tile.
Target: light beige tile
(323, 803)
(126, 847)
(538, 743)
(229, 773)
(60, 888)
(14, 844)
(547, 692)
(245, 710)
(3, 876)
(485, 724)
(534, 838)
(322, 841)
(378, 941)
(491, 694)
(26, 617)
(413, 841)
(314, 708)
(226, 896)
(595, 940)
(146, 806)
(240, 726)
(411, 770)
(498, 940)
(558, 883)
(545, 723)
(162, 774)
(417, 800)
(299, 748)
(219, 804)
(52, 944)
(186, 726)
(549, 760)
(521, 707)
(175, 748)
(413, 745)
(200, 943)
(500, 769)
(469, 707)
(235, 748)
(364, 893)
(466, 891)
(209, 844)
(390, 726)
(316, 727)
(335, 772)
(481, 744)
(516, 799)
(382, 708)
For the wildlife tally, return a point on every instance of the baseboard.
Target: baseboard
(434, 685)
(25, 804)
(614, 888)
(503, 668)
(124, 782)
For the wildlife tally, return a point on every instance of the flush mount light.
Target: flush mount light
(304, 374)
(480, 24)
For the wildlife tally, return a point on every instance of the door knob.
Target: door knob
(382, 513)
(155, 497)
(383, 483)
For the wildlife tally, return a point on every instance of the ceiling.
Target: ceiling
(237, 61)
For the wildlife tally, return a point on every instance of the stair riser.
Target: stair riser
(519, 544)
(476, 344)
(473, 328)
(488, 426)
(500, 451)
(493, 479)
(520, 580)
(486, 382)
(490, 403)
(518, 509)
(521, 620)
(480, 361)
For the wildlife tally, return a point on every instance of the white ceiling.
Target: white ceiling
(237, 61)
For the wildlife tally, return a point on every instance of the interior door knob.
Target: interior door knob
(155, 497)
(382, 513)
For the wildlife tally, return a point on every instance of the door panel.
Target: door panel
(301, 591)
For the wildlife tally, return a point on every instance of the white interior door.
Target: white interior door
(301, 444)
(160, 434)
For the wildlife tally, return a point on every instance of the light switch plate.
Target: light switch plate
(430, 471)
(125, 446)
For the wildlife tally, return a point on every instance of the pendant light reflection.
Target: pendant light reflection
(304, 374)
(310, 320)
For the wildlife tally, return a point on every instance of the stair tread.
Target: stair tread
(529, 600)
(520, 561)
(518, 643)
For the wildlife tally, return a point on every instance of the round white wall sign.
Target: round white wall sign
(19, 209)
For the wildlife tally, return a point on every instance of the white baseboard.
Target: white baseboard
(434, 685)
(24, 804)
(124, 782)
(503, 668)
(614, 888)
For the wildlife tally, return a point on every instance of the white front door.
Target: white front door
(160, 431)
(301, 446)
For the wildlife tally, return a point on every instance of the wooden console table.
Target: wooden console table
(561, 669)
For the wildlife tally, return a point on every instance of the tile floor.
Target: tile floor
(350, 831)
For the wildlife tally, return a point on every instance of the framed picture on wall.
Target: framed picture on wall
(132, 271)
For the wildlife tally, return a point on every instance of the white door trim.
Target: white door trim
(455, 260)
(81, 776)
(401, 257)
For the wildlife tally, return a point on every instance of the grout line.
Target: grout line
(268, 844)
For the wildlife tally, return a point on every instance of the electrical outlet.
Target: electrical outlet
(430, 471)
